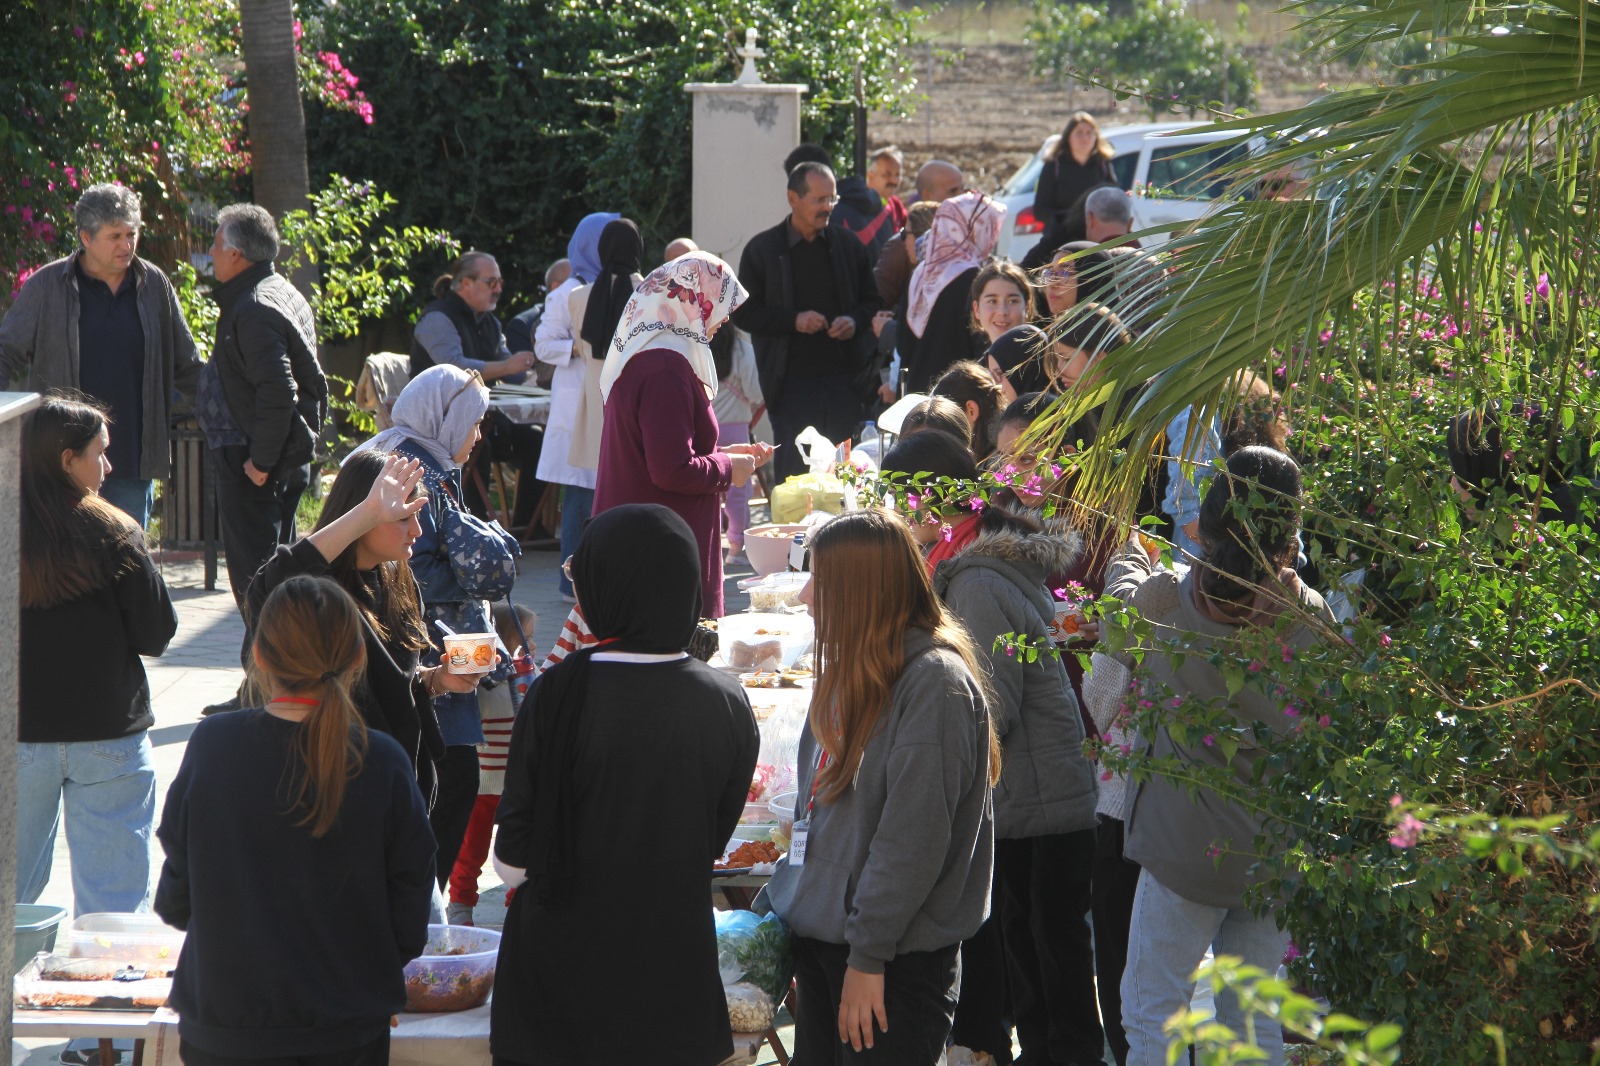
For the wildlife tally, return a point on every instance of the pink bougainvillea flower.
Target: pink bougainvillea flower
(946, 532)
(976, 503)
(1384, 640)
(1408, 832)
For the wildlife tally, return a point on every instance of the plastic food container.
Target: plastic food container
(35, 925)
(129, 937)
(774, 592)
(454, 972)
(743, 833)
(469, 653)
(767, 547)
(788, 636)
(782, 808)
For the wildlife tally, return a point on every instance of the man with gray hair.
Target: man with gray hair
(106, 322)
(1107, 215)
(263, 398)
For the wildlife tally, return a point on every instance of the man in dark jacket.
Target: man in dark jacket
(809, 314)
(262, 398)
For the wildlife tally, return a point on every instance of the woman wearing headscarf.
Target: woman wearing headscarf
(459, 561)
(630, 717)
(599, 308)
(964, 232)
(554, 342)
(1016, 361)
(659, 444)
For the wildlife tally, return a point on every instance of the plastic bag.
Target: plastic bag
(750, 1010)
(805, 494)
(759, 946)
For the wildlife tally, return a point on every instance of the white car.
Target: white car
(1164, 165)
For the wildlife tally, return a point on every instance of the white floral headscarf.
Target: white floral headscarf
(676, 307)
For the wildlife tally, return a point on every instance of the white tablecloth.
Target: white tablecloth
(458, 1039)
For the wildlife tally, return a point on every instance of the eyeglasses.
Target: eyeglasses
(566, 568)
(492, 283)
(1058, 272)
(823, 201)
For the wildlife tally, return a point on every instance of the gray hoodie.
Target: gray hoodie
(902, 860)
(1198, 844)
(996, 586)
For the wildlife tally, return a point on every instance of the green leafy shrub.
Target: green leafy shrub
(1153, 49)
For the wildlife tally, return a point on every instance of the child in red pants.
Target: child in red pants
(499, 713)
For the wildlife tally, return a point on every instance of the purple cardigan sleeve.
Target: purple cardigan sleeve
(667, 430)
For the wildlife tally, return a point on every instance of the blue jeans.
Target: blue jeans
(1166, 942)
(109, 791)
(135, 496)
(576, 506)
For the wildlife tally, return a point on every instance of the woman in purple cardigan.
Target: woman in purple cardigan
(659, 444)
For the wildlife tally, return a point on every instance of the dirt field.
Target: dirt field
(984, 111)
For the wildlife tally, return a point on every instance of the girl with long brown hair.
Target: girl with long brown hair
(92, 603)
(363, 542)
(893, 845)
(299, 857)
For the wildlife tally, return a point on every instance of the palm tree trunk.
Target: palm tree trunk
(277, 125)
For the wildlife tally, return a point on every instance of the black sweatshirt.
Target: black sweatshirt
(296, 945)
(81, 678)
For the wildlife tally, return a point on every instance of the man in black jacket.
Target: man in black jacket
(809, 314)
(262, 398)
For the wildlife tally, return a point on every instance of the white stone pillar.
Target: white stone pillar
(741, 135)
(13, 405)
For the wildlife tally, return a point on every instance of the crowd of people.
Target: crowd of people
(954, 841)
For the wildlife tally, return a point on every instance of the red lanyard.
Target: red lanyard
(822, 761)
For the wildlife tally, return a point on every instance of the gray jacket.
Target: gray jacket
(1198, 844)
(40, 335)
(996, 586)
(902, 860)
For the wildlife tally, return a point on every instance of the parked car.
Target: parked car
(1166, 166)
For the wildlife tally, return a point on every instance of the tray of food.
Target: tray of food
(56, 982)
(747, 857)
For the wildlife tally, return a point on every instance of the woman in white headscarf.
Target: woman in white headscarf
(459, 561)
(965, 229)
(659, 443)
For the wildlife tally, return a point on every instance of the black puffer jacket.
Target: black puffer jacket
(266, 356)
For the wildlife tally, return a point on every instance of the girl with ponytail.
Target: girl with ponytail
(299, 856)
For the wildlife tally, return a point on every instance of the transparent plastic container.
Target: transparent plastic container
(454, 972)
(790, 633)
(130, 937)
(774, 592)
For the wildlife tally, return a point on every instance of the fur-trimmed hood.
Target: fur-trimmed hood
(1025, 559)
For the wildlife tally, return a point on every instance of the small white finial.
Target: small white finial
(749, 53)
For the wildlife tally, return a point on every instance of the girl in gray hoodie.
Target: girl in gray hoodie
(989, 566)
(894, 839)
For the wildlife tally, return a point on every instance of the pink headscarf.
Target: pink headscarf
(676, 307)
(965, 230)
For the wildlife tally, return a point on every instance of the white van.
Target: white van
(1164, 165)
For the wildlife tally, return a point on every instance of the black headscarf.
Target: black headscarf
(621, 249)
(1019, 352)
(637, 576)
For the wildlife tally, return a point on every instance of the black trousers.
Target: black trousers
(919, 999)
(517, 444)
(1114, 882)
(985, 1002)
(452, 810)
(1041, 888)
(373, 1054)
(832, 404)
(254, 520)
